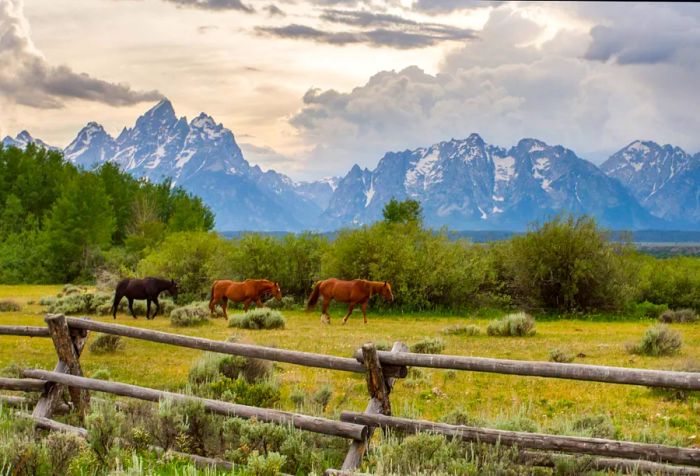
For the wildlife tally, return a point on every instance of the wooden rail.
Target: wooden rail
(538, 441)
(29, 331)
(592, 373)
(22, 384)
(303, 422)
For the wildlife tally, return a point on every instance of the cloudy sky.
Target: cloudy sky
(310, 87)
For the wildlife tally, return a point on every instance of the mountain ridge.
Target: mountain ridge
(461, 183)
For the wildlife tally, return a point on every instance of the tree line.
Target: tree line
(59, 223)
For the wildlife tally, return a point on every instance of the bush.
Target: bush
(518, 324)
(47, 300)
(264, 393)
(62, 448)
(191, 315)
(468, 330)
(70, 289)
(561, 356)
(258, 319)
(8, 305)
(101, 374)
(569, 264)
(658, 340)
(428, 346)
(210, 367)
(78, 303)
(679, 316)
(106, 344)
(269, 464)
(286, 303)
(322, 396)
(595, 426)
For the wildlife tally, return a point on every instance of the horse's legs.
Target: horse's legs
(117, 299)
(157, 307)
(246, 304)
(325, 318)
(148, 308)
(350, 309)
(224, 306)
(258, 303)
(364, 311)
(131, 307)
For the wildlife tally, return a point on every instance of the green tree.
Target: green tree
(407, 211)
(79, 227)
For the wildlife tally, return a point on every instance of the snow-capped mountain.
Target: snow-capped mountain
(23, 139)
(665, 179)
(468, 184)
(461, 183)
(203, 157)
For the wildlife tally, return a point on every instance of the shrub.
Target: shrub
(561, 356)
(286, 303)
(298, 397)
(518, 324)
(596, 426)
(458, 330)
(649, 309)
(679, 316)
(79, 303)
(8, 305)
(265, 465)
(191, 315)
(428, 346)
(258, 319)
(70, 289)
(265, 393)
(103, 425)
(47, 300)
(62, 448)
(211, 367)
(382, 345)
(322, 396)
(658, 340)
(106, 344)
(102, 374)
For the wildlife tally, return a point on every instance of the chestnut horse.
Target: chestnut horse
(242, 291)
(357, 291)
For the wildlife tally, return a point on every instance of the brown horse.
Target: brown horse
(357, 291)
(242, 291)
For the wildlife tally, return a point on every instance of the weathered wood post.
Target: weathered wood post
(379, 386)
(69, 344)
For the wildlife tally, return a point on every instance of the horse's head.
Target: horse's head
(386, 292)
(276, 291)
(173, 289)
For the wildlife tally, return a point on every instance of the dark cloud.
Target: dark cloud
(274, 11)
(26, 77)
(375, 29)
(646, 34)
(447, 6)
(214, 5)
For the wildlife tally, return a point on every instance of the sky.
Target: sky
(311, 87)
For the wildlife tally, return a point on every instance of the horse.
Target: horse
(242, 291)
(146, 288)
(357, 291)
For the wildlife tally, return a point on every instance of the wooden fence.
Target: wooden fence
(381, 369)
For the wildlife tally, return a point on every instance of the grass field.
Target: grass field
(514, 402)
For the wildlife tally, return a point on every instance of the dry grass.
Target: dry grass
(636, 411)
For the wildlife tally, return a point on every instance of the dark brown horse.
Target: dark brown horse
(357, 291)
(147, 288)
(248, 291)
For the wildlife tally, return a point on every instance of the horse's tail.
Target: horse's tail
(213, 285)
(313, 299)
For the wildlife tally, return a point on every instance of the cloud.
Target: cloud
(448, 6)
(27, 78)
(507, 86)
(214, 5)
(375, 29)
(274, 11)
(647, 34)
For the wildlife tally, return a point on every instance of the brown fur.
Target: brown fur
(248, 291)
(357, 291)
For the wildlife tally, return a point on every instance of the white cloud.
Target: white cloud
(504, 90)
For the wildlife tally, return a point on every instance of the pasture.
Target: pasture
(503, 401)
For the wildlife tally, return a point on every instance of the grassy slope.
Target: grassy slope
(637, 412)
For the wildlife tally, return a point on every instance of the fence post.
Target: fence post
(379, 387)
(69, 344)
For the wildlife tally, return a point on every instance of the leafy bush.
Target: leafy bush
(679, 316)
(106, 344)
(658, 340)
(264, 393)
(561, 356)
(649, 309)
(101, 374)
(47, 300)
(459, 330)
(672, 281)
(596, 426)
(70, 289)
(191, 315)
(78, 303)
(569, 264)
(8, 305)
(322, 396)
(518, 324)
(428, 346)
(258, 319)
(62, 448)
(265, 465)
